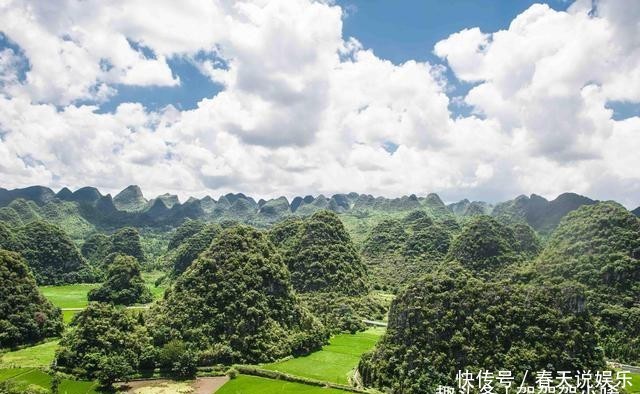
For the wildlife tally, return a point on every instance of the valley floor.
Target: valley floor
(334, 364)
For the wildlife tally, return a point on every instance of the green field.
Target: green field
(635, 383)
(24, 377)
(35, 356)
(68, 296)
(150, 279)
(75, 296)
(244, 384)
(68, 315)
(335, 362)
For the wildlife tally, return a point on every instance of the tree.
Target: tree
(387, 237)
(187, 229)
(124, 284)
(96, 247)
(51, 254)
(112, 369)
(192, 246)
(527, 242)
(237, 293)
(322, 258)
(103, 338)
(451, 321)
(25, 315)
(428, 243)
(484, 246)
(599, 245)
(178, 359)
(127, 241)
(7, 238)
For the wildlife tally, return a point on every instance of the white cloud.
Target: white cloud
(306, 110)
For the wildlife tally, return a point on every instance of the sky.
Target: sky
(483, 100)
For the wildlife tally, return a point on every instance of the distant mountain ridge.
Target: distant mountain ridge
(130, 207)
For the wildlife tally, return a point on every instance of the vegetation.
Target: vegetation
(451, 321)
(322, 257)
(484, 246)
(127, 241)
(184, 231)
(7, 238)
(51, 254)
(387, 237)
(244, 384)
(599, 246)
(96, 248)
(537, 212)
(476, 289)
(401, 249)
(124, 284)
(343, 313)
(327, 270)
(191, 247)
(68, 296)
(107, 344)
(39, 356)
(25, 315)
(236, 304)
(335, 362)
(36, 381)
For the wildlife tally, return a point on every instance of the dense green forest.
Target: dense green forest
(526, 284)
(599, 246)
(236, 303)
(25, 315)
(124, 284)
(450, 321)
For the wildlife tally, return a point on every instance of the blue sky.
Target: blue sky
(395, 30)
(450, 97)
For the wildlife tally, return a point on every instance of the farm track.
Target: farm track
(128, 307)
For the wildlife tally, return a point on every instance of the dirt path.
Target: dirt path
(209, 385)
(205, 385)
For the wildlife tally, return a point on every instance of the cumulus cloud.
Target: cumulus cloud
(306, 110)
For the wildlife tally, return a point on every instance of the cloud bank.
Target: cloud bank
(304, 109)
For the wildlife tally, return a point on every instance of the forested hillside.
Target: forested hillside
(236, 302)
(599, 246)
(523, 285)
(452, 321)
(25, 315)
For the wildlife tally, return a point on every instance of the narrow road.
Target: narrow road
(129, 307)
(375, 323)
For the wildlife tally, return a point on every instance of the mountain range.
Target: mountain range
(130, 207)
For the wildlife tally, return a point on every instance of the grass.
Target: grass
(68, 296)
(635, 383)
(9, 373)
(245, 384)
(35, 356)
(75, 296)
(67, 316)
(150, 279)
(23, 377)
(335, 362)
